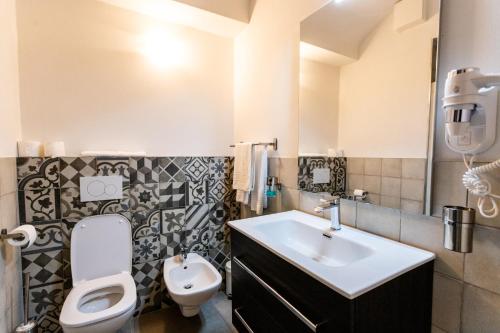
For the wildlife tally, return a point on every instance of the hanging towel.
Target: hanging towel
(258, 200)
(243, 176)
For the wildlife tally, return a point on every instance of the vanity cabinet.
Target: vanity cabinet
(272, 295)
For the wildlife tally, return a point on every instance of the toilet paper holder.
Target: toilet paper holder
(4, 234)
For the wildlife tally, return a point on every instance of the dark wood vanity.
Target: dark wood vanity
(272, 295)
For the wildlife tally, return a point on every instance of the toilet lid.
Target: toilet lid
(100, 246)
(72, 316)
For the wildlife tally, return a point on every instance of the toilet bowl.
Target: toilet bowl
(103, 297)
(191, 283)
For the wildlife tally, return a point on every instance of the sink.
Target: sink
(351, 262)
(309, 242)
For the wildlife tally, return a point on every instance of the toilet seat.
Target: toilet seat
(71, 314)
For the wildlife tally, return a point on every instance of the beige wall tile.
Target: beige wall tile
(273, 166)
(348, 212)
(373, 166)
(8, 175)
(446, 303)
(391, 167)
(414, 168)
(355, 182)
(309, 200)
(412, 189)
(378, 220)
(482, 266)
(288, 171)
(412, 206)
(427, 233)
(372, 184)
(447, 188)
(481, 311)
(289, 198)
(355, 165)
(373, 198)
(390, 202)
(494, 179)
(391, 187)
(436, 329)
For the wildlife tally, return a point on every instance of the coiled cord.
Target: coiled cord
(481, 187)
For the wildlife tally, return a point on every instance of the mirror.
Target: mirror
(367, 98)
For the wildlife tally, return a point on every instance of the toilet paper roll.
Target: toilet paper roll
(29, 149)
(29, 233)
(55, 149)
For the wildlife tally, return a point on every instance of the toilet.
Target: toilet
(190, 283)
(104, 294)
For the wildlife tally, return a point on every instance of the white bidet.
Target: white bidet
(190, 283)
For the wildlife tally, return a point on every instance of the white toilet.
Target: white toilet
(191, 283)
(104, 295)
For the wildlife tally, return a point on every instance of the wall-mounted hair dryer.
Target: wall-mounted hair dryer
(470, 106)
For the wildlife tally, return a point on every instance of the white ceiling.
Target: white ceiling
(341, 26)
(221, 17)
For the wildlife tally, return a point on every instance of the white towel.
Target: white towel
(243, 176)
(258, 200)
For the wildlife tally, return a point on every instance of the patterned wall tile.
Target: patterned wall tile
(45, 301)
(39, 205)
(148, 299)
(116, 206)
(144, 197)
(72, 168)
(196, 168)
(72, 207)
(197, 217)
(37, 173)
(171, 243)
(337, 166)
(49, 322)
(145, 224)
(44, 267)
(197, 193)
(234, 211)
(146, 249)
(219, 190)
(219, 212)
(144, 170)
(171, 169)
(49, 237)
(173, 195)
(67, 226)
(220, 167)
(146, 274)
(218, 258)
(172, 220)
(198, 240)
(219, 237)
(114, 166)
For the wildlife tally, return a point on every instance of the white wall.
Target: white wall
(10, 125)
(318, 104)
(384, 96)
(267, 73)
(83, 80)
(475, 44)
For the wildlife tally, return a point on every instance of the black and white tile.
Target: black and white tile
(49, 237)
(171, 169)
(173, 195)
(219, 190)
(196, 168)
(37, 173)
(145, 224)
(146, 249)
(147, 273)
(39, 205)
(337, 166)
(197, 193)
(197, 217)
(172, 220)
(234, 211)
(171, 243)
(73, 207)
(144, 197)
(220, 167)
(198, 240)
(72, 168)
(45, 303)
(44, 267)
(148, 299)
(220, 212)
(144, 170)
(114, 166)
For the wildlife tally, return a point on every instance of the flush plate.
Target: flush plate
(101, 188)
(321, 176)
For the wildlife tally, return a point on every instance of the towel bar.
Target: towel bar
(274, 144)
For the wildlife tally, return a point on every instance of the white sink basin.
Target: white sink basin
(352, 262)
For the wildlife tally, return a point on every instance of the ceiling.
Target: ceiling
(341, 26)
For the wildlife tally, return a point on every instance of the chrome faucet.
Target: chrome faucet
(334, 206)
(183, 255)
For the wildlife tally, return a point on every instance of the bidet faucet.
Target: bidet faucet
(183, 254)
(334, 206)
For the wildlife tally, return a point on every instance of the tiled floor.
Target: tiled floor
(214, 317)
